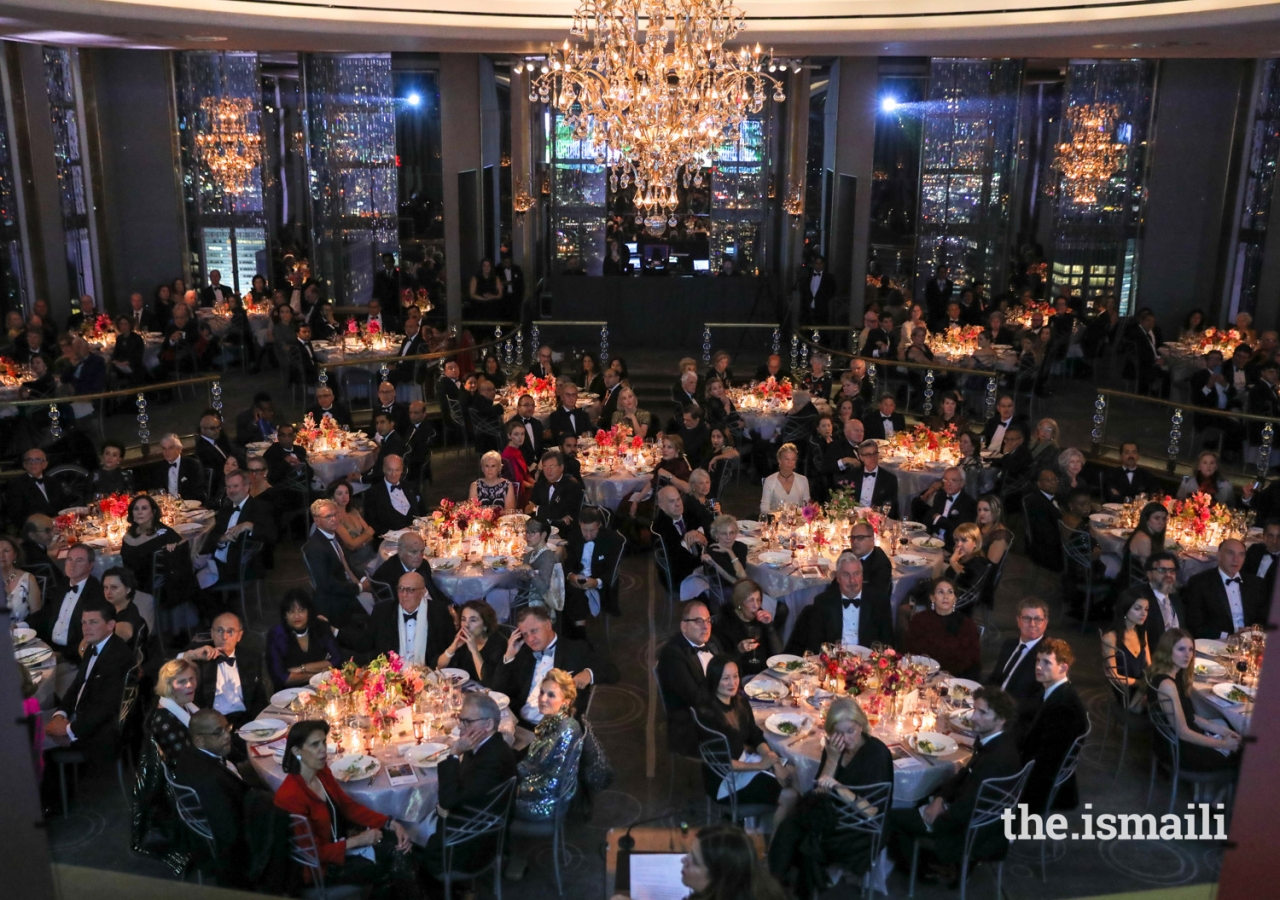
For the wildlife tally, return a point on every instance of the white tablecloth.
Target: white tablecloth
(497, 587)
(327, 467)
(259, 324)
(1111, 540)
(152, 345)
(611, 490)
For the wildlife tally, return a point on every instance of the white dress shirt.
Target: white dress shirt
(529, 712)
(1234, 599)
(175, 470)
(1264, 564)
(62, 624)
(228, 696)
(997, 436)
(399, 501)
(868, 486)
(814, 283)
(850, 618)
(1015, 659)
(221, 553)
(1053, 687)
(704, 655)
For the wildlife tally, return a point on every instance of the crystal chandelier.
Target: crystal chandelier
(1092, 156)
(656, 108)
(225, 144)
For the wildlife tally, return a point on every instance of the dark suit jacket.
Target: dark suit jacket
(252, 684)
(466, 782)
(35, 559)
(144, 320)
(1059, 720)
(94, 713)
(515, 678)
(609, 403)
(1117, 488)
(130, 349)
(1252, 559)
(222, 798)
(1043, 517)
(390, 572)
(826, 623)
(382, 632)
(340, 413)
(763, 374)
(885, 490)
(1155, 625)
(213, 461)
(871, 348)
(381, 515)
(335, 594)
(209, 298)
(1262, 401)
(681, 679)
(963, 509)
(391, 445)
(46, 617)
(605, 557)
(1022, 683)
(1206, 397)
(537, 371)
(417, 450)
(877, 573)
(255, 510)
(815, 306)
(989, 430)
(682, 562)
(23, 498)
(278, 468)
(192, 480)
(564, 422)
(247, 430)
(873, 424)
(996, 759)
(1208, 611)
(1003, 336)
(937, 296)
(566, 501)
(531, 450)
(398, 411)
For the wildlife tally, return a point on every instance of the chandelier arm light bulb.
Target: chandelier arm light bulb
(655, 110)
(1092, 155)
(226, 146)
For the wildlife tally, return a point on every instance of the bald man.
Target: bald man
(415, 626)
(411, 556)
(390, 503)
(1223, 600)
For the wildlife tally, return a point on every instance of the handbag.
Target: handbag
(597, 772)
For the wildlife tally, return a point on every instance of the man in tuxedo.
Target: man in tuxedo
(1123, 484)
(877, 570)
(241, 515)
(772, 368)
(417, 443)
(215, 292)
(88, 713)
(177, 475)
(1015, 667)
(141, 317)
(683, 532)
(410, 556)
(937, 293)
(609, 399)
(543, 366)
(1263, 399)
(556, 500)
(387, 403)
(1263, 559)
(1164, 603)
(390, 504)
(128, 364)
(941, 823)
(1015, 461)
(993, 433)
(997, 333)
(694, 433)
(31, 493)
(417, 628)
(944, 506)
(389, 444)
(846, 612)
(257, 423)
(478, 763)
(213, 450)
(57, 622)
(885, 421)
(874, 342)
(377, 320)
(875, 486)
(231, 683)
(972, 310)
(85, 372)
(325, 405)
(591, 564)
(1224, 600)
(817, 289)
(535, 443)
(386, 281)
(1153, 371)
(952, 317)
(533, 650)
(1059, 719)
(512, 286)
(682, 673)
(286, 459)
(412, 345)
(341, 596)
(449, 388)
(842, 460)
(1210, 388)
(1043, 517)
(567, 418)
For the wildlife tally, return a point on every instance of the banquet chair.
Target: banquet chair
(75, 481)
(994, 797)
(455, 422)
(464, 825)
(850, 819)
(974, 594)
(1066, 771)
(187, 804)
(554, 826)
(1123, 694)
(996, 575)
(72, 757)
(662, 561)
(713, 747)
(1078, 577)
(614, 577)
(249, 550)
(381, 591)
(487, 433)
(304, 851)
(1162, 720)
(675, 755)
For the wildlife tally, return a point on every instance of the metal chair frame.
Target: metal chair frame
(849, 819)
(1121, 689)
(305, 852)
(675, 757)
(1066, 771)
(187, 804)
(249, 550)
(714, 751)
(1162, 719)
(74, 480)
(568, 790)
(463, 825)
(662, 561)
(1077, 553)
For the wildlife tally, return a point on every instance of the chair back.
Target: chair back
(975, 591)
(1077, 548)
(713, 747)
(187, 803)
(75, 481)
(1163, 720)
(661, 559)
(455, 411)
(850, 819)
(994, 797)
(1117, 684)
(995, 576)
(468, 824)
(381, 591)
(1067, 769)
(357, 382)
(311, 576)
(481, 425)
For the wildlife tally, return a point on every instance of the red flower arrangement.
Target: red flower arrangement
(10, 368)
(461, 516)
(619, 437)
(888, 668)
(115, 505)
(373, 328)
(540, 387)
(353, 327)
(771, 388)
(386, 684)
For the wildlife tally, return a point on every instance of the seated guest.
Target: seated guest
(746, 630)
(389, 444)
(1123, 484)
(971, 460)
(589, 378)
(214, 452)
(1164, 599)
(486, 416)
(817, 381)
(818, 449)
(609, 398)
(325, 405)
(1204, 745)
(533, 650)
(491, 489)
(87, 716)
(31, 493)
(1125, 650)
(951, 414)
(86, 372)
(845, 613)
(770, 368)
(1058, 721)
(673, 469)
(109, 477)
(851, 391)
(515, 469)
(391, 505)
(1015, 463)
(410, 556)
(759, 775)
(685, 391)
(146, 535)
(885, 422)
(32, 343)
(968, 567)
(725, 556)
(257, 423)
(630, 414)
(543, 367)
(874, 486)
(21, 591)
(1071, 475)
(592, 557)
(943, 633)
(119, 588)
(785, 487)
(546, 763)
(1042, 518)
(877, 570)
(681, 673)
(1015, 666)
(478, 763)
(802, 419)
(176, 475)
(997, 427)
(944, 506)
(555, 500)
(57, 622)
(719, 408)
(417, 443)
(231, 684)
(693, 432)
(544, 578)
(809, 841)
(1044, 447)
(478, 646)
(700, 492)
(1147, 538)
(242, 516)
(388, 405)
(683, 533)
(941, 822)
(354, 532)
(842, 460)
(169, 723)
(351, 839)
(300, 646)
(127, 364)
(141, 317)
(996, 332)
(286, 459)
(1263, 559)
(1224, 600)
(1207, 479)
(416, 626)
(996, 538)
(719, 370)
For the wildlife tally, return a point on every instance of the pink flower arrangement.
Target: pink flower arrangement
(453, 514)
(772, 388)
(353, 327)
(115, 505)
(373, 328)
(618, 436)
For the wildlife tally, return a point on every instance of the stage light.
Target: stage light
(414, 99)
(889, 104)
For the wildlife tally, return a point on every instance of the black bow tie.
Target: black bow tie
(887, 418)
(540, 655)
(93, 651)
(855, 602)
(393, 488)
(39, 481)
(227, 661)
(1236, 580)
(410, 617)
(174, 465)
(868, 474)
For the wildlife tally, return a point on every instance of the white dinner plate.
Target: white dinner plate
(910, 560)
(927, 542)
(32, 656)
(22, 635)
(75, 511)
(1104, 520)
(497, 562)
(1211, 647)
(775, 558)
(748, 526)
(262, 731)
(934, 744)
(786, 662)
(1207, 668)
(99, 543)
(1224, 690)
(1114, 507)
(499, 698)
(427, 756)
(282, 699)
(191, 504)
(961, 688)
(188, 527)
(931, 665)
(444, 563)
(762, 687)
(354, 767)
(749, 541)
(799, 723)
(455, 676)
(320, 678)
(962, 718)
(912, 526)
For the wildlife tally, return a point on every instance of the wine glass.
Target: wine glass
(1242, 668)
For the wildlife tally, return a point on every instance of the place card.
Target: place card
(401, 774)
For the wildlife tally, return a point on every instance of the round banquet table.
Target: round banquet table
(1182, 362)
(611, 490)
(328, 466)
(911, 482)
(43, 673)
(1211, 706)
(913, 779)
(8, 395)
(259, 324)
(1190, 562)
(413, 805)
(983, 358)
(152, 344)
(764, 425)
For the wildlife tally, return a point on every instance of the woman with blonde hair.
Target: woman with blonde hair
(629, 413)
(785, 487)
(167, 727)
(996, 538)
(491, 489)
(551, 761)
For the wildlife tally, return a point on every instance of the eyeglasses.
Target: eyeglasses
(462, 721)
(408, 590)
(861, 537)
(226, 631)
(256, 471)
(697, 621)
(1032, 620)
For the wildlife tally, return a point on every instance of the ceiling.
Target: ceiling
(1021, 28)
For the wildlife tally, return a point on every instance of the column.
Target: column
(460, 156)
(855, 154)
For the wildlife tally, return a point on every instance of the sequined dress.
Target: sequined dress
(551, 761)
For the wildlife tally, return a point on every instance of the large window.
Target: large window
(577, 199)
(739, 184)
(60, 66)
(1259, 186)
(895, 181)
(13, 289)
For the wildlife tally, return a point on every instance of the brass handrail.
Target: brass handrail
(106, 395)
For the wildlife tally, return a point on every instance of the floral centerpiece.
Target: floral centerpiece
(1224, 340)
(540, 388)
(1200, 522)
(327, 435)
(772, 389)
(379, 689)
(97, 327)
(884, 672)
(771, 395)
(115, 506)
(10, 372)
(923, 444)
(1021, 316)
(370, 336)
(844, 503)
(619, 437)
(956, 341)
(466, 516)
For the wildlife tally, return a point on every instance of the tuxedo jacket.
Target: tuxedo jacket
(382, 632)
(1208, 610)
(24, 498)
(963, 509)
(989, 430)
(565, 501)
(871, 340)
(534, 444)
(1117, 487)
(515, 678)
(815, 306)
(605, 557)
(839, 449)
(417, 450)
(937, 294)
(335, 594)
(223, 795)
(1022, 683)
(1253, 559)
(998, 758)
(390, 572)
(209, 297)
(1155, 624)
(381, 515)
(825, 625)
(873, 424)
(278, 468)
(1206, 397)
(609, 402)
(681, 680)
(763, 373)
(398, 411)
(877, 573)
(249, 431)
(43, 619)
(255, 510)
(682, 562)
(252, 683)
(1045, 541)
(885, 490)
(214, 458)
(144, 319)
(1059, 719)
(537, 371)
(564, 422)
(391, 445)
(92, 703)
(339, 412)
(192, 481)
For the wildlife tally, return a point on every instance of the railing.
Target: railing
(499, 338)
(535, 335)
(796, 360)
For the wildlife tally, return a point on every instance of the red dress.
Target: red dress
(516, 470)
(295, 797)
(959, 653)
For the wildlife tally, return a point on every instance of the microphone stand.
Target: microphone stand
(627, 842)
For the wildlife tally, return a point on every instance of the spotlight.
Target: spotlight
(889, 104)
(414, 99)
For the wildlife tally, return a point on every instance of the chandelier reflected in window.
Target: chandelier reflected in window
(1092, 155)
(225, 144)
(657, 100)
